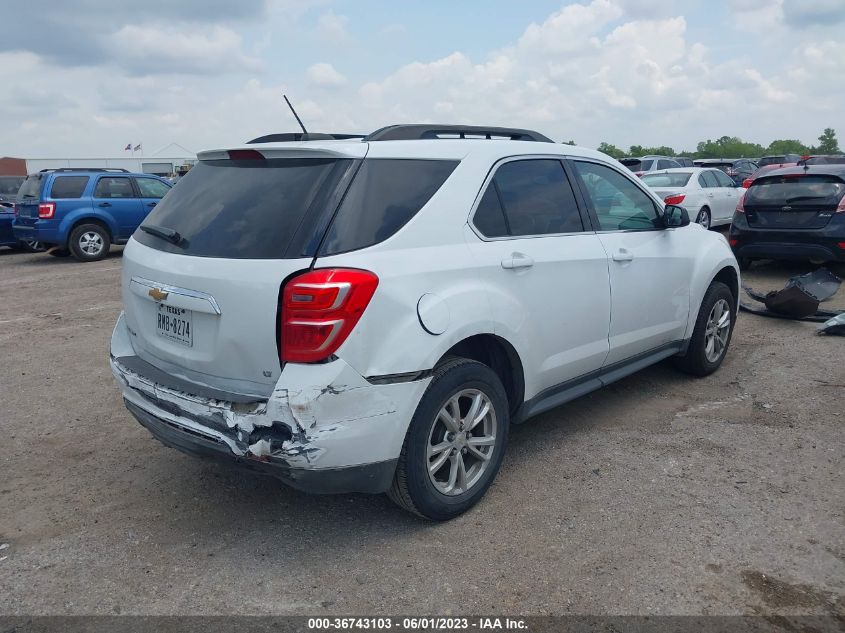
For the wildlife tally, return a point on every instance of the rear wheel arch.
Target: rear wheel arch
(89, 219)
(499, 355)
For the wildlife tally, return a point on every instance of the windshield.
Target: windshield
(674, 179)
(795, 190)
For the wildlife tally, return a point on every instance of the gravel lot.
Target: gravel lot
(660, 494)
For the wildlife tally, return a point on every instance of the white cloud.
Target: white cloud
(152, 50)
(331, 28)
(324, 74)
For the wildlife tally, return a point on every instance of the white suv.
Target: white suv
(373, 314)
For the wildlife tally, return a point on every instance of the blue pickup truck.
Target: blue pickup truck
(84, 211)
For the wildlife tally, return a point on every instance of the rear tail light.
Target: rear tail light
(840, 208)
(676, 198)
(319, 310)
(747, 183)
(245, 154)
(639, 174)
(733, 241)
(841, 245)
(46, 210)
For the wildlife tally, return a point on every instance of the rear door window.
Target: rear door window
(722, 179)
(68, 187)
(383, 197)
(249, 209)
(534, 197)
(114, 187)
(710, 179)
(151, 188)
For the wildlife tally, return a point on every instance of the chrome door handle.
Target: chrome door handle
(517, 260)
(623, 255)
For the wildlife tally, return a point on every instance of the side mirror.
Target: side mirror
(675, 216)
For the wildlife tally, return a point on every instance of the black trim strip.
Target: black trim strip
(390, 379)
(582, 385)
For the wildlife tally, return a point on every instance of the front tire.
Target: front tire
(712, 334)
(89, 242)
(455, 443)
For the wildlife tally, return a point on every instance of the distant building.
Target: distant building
(12, 166)
(173, 159)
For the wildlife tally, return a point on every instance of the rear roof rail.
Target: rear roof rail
(416, 132)
(97, 169)
(284, 137)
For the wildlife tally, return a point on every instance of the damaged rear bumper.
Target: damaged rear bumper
(324, 429)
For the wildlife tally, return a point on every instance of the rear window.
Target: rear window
(383, 197)
(68, 186)
(771, 160)
(637, 165)
(248, 209)
(809, 190)
(31, 187)
(675, 179)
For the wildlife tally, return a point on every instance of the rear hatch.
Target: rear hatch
(636, 165)
(202, 275)
(793, 201)
(29, 196)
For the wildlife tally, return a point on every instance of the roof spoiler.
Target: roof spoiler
(286, 137)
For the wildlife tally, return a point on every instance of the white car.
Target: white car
(373, 314)
(709, 195)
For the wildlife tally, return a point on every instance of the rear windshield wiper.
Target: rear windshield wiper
(163, 232)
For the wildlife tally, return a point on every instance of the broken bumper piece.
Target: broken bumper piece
(327, 430)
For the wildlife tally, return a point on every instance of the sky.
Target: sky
(85, 77)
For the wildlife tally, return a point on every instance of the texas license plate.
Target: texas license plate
(177, 324)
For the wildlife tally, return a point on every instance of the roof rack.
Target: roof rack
(416, 132)
(283, 137)
(115, 169)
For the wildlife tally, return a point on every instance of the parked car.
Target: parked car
(778, 160)
(373, 314)
(708, 195)
(9, 186)
(828, 159)
(646, 164)
(683, 161)
(792, 213)
(764, 170)
(84, 211)
(737, 168)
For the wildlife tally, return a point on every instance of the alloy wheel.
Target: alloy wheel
(717, 331)
(91, 243)
(461, 442)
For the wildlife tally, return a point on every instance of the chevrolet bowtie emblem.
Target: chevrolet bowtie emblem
(158, 295)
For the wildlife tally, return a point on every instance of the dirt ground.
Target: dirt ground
(661, 494)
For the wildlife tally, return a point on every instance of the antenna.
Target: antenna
(298, 120)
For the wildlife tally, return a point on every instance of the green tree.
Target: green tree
(827, 142)
(787, 146)
(728, 147)
(639, 150)
(611, 150)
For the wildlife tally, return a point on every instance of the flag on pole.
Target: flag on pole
(137, 147)
(128, 147)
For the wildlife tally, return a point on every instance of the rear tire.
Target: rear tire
(453, 449)
(30, 246)
(703, 218)
(712, 334)
(89, 242)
